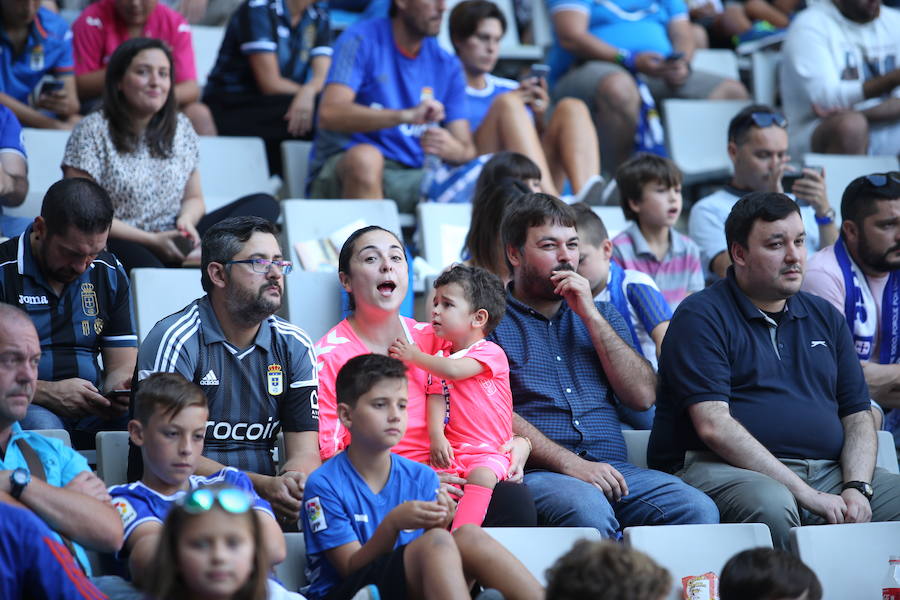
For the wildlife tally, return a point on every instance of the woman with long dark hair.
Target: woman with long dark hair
(145, 154)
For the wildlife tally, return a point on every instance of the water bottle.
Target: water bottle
(432, 162)
(890, 590)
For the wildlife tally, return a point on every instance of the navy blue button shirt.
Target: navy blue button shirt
(789, 385)
(557, 382)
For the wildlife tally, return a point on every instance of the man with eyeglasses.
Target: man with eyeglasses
(258, 371)
(758, 149)
(78, 297)
(840, 78)
(860, 276)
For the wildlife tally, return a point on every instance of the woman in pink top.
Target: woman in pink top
(373, 270)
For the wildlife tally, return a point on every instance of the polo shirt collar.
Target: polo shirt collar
(28, 266)
(677, 246)
(522, 308)
(36, 34)
(794, 306)
(212, 331)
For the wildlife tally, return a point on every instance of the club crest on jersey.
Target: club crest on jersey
(89, 300)
(275, 380)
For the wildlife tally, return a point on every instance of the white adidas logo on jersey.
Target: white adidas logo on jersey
(209, 379)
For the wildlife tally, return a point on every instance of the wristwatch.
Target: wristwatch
(18, 479)
(827, 218)
(862, 487)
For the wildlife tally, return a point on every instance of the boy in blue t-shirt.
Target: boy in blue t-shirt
(372, 517)
(169, 426)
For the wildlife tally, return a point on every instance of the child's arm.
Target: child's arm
(414, 514)
(141, 547)
(441, 452)
(445, 368)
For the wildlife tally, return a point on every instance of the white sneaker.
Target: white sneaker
(591, 192)
(370, 592)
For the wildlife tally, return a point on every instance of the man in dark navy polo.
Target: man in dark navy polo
(78, 297)
(762, 402)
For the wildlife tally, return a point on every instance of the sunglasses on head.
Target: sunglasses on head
(883, 179)
(767, 119)
(230, 500)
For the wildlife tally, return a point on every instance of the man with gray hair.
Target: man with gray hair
(257, 370)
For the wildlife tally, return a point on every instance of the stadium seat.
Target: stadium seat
(314, 298)
(231, 167)
(613, 219)
(157, 293)
(716, 61)
(764, 76)
(45, 149)
(295, 167)
(695, 549)
(539, 547)
(442, 232)
(636, 441)
(57, 434)
(207, 41)
(510, 46)
(112, 457)
(850, 560)
(841, 169)
(292, 571)
(887, 453)
(696, 135)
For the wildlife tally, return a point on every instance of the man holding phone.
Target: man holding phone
(36, 66)
(758, 149)
(77, 295)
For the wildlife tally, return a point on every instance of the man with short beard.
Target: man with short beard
(860, 276)
(258, 371)
(571, 364)
(840, 78)
(762, 403)
(77, 295)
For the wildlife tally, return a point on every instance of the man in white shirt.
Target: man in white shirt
(840, 78)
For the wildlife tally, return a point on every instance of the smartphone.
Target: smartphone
(184, 244)
(539, 71)
(788, 179)
(675, 56)
(51, 85)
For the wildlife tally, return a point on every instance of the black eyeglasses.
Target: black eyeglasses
(882, 179)
(231, 500)
(767, 119)
(263, 265)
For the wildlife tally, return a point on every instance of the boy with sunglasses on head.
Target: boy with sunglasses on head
(758, 149)
(373, 517)
(170, 420)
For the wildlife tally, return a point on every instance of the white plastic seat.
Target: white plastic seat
(539, 547)
(613, 219)
(696, 135)
(841, 169)
(45, 149)
(207, 41)
(716, 61)
(231, 167)
(764, 76)
(442, 231)
(292, 571)
(295, 166)
(157, 293)
(57, 434)
(112, 457)
(850, 560)
(636, 441)
(887, 453)
(695, 549)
